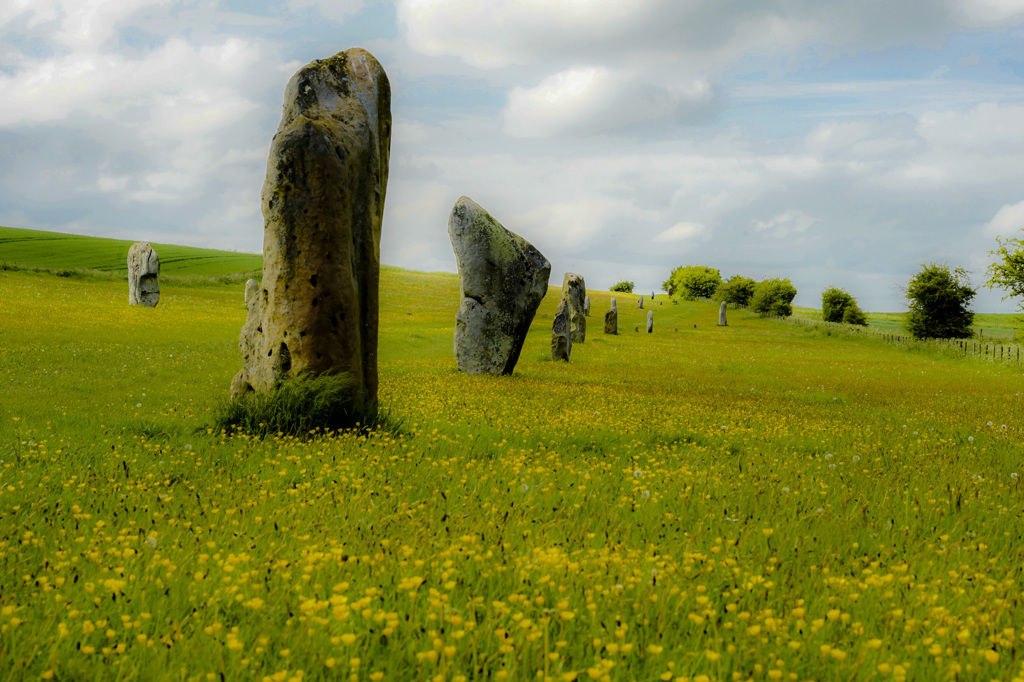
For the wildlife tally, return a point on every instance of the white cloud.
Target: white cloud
(596, 99)
(979, 13)
(988, 127)
(681, 232)
(706, 33)
(1007, 222)
(568, 224)
(502, 32)
(335, 10)
(786, 223)
(203, 84)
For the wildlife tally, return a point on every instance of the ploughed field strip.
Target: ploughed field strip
(705, 502)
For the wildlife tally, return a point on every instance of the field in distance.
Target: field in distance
(766, 501)
(59, 251)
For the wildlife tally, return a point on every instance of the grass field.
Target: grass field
(59, 251)
(757, 501)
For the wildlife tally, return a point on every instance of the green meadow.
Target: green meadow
(70, 252)
(762, 501)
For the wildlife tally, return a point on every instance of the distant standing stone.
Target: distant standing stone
(143, 275)
(636, 328)
(502, 279)
(640, 302)
(252, 288)
(574, 292)
(611, 320)
(721, 316)
(650, 321)
(316, 310)
(561, 337)
(586, 306)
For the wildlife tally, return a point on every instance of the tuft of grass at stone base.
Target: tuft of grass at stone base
(302, 406)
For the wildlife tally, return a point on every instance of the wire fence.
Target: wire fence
(1007, 353)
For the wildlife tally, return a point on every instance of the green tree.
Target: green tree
(939, 300)
(736, 290)
(773, 297)
(692, 282)
(834, 303)
(854, 315)
(1008, 272)
(624, 286)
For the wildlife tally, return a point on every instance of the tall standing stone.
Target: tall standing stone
(323, 199)
(650, 321)
(574, 292)
(640, 302)
(143, 275)
(611, 320)
(502, 279)
(721, 316)
(561, 336)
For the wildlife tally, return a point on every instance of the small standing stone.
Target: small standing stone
(252, 288)
(561, 338)
(611, 320)
(143, 275)
(636, 328)
(614, 307)
(721, 316)
(650, 321)
(586, 306)
(640, 302)
(574, 292)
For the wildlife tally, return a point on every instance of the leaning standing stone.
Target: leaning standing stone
(323, 199)
(721, 316)
(611, 320)
(574, 291)
(502, 279)
(143, 275)
(561, 337)
(650, 321)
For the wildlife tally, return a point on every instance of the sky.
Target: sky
(833, 143)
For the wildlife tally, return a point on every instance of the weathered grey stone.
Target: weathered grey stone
(561, 336)
(613, 305)
(586, 306)
(574, 291)
(252, 288)
(650, 321)
(323, 198)
(502, 278)
(721, 316)
(611, 320)
(143, 275)
(640, 302)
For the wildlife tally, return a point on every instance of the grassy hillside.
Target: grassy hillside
(995, 326)
(58, 251)
(757, 501)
